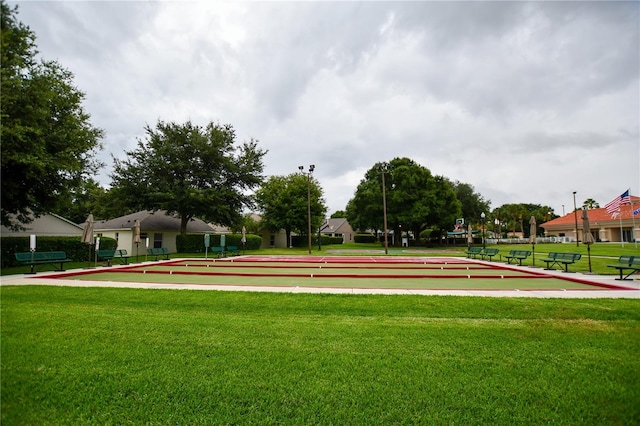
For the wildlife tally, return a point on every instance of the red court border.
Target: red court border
(349, 259)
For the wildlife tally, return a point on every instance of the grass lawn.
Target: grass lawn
(133, 356)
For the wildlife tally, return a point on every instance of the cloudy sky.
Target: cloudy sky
(527, 102)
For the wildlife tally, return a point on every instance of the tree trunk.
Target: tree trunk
(184, 219)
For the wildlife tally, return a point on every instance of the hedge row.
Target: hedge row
(365, 238)
(194, 243)
(303, 240)
(72, 246)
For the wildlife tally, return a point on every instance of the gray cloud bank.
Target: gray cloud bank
(525, 101)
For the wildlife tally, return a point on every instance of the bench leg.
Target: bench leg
(626, 277)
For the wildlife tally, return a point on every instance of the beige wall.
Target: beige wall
(125, 240)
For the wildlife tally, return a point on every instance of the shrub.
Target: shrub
(194, 243)
(303, 240)
(72, 246)
(365, 238)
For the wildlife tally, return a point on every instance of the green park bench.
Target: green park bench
(106, 255)
(158, 252)
(33, 258)
(489, 253)
(627, 263)
(122, 255)
(560, 259)
(217, 251)
(518, 255)
(232, 250)
(474, 251)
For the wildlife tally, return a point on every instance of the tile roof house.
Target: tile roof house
(616, 227)
(160, 229)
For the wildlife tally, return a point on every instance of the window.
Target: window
(157, 240)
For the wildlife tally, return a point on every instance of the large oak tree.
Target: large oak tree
(190, 170)
(415, 199)
(48, 142)
(283, 203)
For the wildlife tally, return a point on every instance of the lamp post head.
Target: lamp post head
(311, 168)
(301, 168)
(482, 215)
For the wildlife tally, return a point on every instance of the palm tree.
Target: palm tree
(590, 203)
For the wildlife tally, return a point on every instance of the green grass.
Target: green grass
(132, 356)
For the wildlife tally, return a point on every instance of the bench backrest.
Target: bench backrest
(491, 251)
(519, 253)
(40, 255)
(628, 260)
(106, 253)
(565, 256)
(158, 250)
(232, 248)
(475, 250)
(121, 253)
(217, 249)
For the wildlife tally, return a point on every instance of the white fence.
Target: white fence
(526, 240)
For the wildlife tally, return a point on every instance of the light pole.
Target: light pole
(575, 215)
(484, 244)
(383, 170)
(311, 169)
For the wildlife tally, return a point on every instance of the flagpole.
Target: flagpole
(633, 221)
(620, 218)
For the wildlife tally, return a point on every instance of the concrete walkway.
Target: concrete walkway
(597, 292)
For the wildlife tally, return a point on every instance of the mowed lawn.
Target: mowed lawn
(135, 356)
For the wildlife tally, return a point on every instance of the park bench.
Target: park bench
(627, 263)
(489, 253)
(559, 259)
(122, 255)
(218, 251)
(106, 255)
(33, 258)
(232, 250)
(158, 252)
(474, 251)
(518, 255)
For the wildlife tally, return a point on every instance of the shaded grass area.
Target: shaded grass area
(113, 356)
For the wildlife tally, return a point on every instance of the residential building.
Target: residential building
(614, 227)
(46, 225)
(338, 227)
(157, 229)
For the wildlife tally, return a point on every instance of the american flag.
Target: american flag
(615, 204)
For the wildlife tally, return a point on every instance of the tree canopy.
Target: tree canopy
(48, 142)
(473, 204)
(515, 217)
(415, 199)
(190, 170)
(283, 202)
